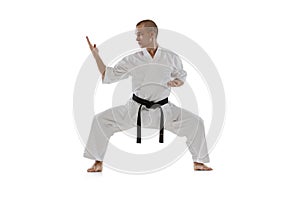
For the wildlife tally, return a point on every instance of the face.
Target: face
(144, 36)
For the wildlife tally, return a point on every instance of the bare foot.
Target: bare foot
(97, 167)
(201, 167)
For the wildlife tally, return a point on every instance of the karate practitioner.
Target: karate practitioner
(154, 70)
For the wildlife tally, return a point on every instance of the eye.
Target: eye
(139, 34)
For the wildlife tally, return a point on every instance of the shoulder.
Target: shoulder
(168, 52)
(131, 56)
(135, 55)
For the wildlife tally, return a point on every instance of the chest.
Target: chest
(151, 72)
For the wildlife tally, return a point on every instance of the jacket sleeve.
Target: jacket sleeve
(118, 72)
(178, 72)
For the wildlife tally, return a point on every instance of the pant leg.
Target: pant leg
(185, 123)
(104, 125)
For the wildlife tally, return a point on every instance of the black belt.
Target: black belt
(150, 104)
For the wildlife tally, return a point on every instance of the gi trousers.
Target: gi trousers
(179, 121)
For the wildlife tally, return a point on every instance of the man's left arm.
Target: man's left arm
(178, 74)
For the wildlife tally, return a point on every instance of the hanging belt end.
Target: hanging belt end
(161, 140)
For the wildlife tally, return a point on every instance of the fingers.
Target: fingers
(178, 82)
(171, 84)
(175, 83)
(90, 44)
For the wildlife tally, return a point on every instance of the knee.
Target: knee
(197, 121)
(99, 118)
(102, 126)
(200, 120)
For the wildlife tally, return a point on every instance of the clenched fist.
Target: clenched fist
(175, 83)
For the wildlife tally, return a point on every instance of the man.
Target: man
(154, 70)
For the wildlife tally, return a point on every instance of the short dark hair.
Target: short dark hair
(149, 23)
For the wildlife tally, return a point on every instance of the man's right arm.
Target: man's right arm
(100, 64)
(95, 52)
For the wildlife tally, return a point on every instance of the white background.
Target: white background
(255, 46)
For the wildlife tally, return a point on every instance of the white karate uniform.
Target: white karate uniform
(149, 81)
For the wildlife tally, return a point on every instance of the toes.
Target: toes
(207, 169)
(95, 169)
(92, 169)
(202, 167)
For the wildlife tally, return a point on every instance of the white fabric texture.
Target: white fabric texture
(149, 81)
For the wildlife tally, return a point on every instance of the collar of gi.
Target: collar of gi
(147, 54)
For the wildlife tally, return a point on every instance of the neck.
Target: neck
(152, 50)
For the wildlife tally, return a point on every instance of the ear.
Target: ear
(152, 34)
